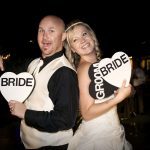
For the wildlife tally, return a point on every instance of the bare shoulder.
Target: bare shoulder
(82, 70)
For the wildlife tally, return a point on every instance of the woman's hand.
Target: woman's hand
(123, 92)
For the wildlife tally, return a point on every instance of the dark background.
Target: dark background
(119, 26)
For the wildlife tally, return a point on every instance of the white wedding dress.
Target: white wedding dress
(102, 133)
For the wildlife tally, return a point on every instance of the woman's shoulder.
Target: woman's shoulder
(83, 67)
(82, 70)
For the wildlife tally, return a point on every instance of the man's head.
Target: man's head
(51, 34)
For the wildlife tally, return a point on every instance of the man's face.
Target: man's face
(50, 36)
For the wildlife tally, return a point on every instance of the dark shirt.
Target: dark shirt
(64, 93)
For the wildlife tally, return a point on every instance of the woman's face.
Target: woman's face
(81, 41)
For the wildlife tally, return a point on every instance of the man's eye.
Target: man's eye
(84, 34)
(40, 30)
(51, 31)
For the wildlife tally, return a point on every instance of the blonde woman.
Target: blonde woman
(100, 128)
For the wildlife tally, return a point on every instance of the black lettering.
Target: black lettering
(21, 82)
(28, 81)
(124, 59)
(114, 65)
(11, 80)
(4, 82)
(118, 62)
(103, 71)
(109, 67)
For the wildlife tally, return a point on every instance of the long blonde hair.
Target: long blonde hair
(74, 58)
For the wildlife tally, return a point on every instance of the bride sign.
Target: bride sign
(108, 74)
(16, 87)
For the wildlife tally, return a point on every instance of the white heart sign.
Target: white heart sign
(16, 87)
(116, 69)
(108, 74)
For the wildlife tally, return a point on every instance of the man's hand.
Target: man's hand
(1, 64)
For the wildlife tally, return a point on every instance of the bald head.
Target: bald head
(55, 20)
(51, 35)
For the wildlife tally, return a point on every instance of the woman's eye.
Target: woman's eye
(74, 40)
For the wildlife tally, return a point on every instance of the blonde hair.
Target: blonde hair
(74, 58)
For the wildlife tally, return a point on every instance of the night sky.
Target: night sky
(119, 26)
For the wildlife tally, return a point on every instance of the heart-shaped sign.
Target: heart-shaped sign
(108, 75)
(16, 87)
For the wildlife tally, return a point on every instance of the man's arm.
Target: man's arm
(63, 90)
(1, 64)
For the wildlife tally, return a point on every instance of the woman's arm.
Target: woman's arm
(90, 109)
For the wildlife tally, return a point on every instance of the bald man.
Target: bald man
(49, 113)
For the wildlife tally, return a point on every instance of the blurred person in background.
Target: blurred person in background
(138, 81)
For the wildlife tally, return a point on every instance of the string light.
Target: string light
(5, 57)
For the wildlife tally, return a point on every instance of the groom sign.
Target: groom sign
(108, 74)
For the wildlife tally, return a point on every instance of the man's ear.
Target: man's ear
(64, 36)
